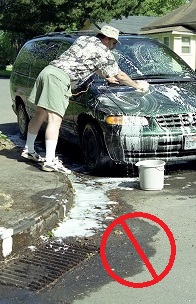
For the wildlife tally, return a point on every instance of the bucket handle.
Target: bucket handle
(160, 169)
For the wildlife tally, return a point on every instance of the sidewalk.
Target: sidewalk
(32, 201)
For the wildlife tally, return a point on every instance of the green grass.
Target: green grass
(6, 72)
(2, 136)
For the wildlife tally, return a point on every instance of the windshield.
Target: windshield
(140, 57)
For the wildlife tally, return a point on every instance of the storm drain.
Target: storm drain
(37, 269)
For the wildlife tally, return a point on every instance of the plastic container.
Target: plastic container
(151, 174)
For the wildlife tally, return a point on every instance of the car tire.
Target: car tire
(95, 155)
(23, 121)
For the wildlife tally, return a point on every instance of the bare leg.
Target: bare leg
(54, 123)
(33, 129)
(52, 163)
(52, 134)
(39, 117)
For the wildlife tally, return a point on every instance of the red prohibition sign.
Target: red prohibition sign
(155, 277)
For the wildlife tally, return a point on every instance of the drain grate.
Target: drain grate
(39, 268)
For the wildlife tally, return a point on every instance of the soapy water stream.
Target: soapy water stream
(92, 208)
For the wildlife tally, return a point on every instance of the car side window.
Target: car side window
(44, 51)
(64, 47)
(24, 60)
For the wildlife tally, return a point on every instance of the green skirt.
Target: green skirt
(52, 90)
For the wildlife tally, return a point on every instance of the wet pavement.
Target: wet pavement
(31, 201)
(89, 282)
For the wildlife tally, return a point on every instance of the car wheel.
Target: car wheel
(94, 151)
(23, 121)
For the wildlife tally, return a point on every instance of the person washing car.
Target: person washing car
(52, 89)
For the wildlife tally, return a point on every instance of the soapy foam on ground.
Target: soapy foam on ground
(92, 206)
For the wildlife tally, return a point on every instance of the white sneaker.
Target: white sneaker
(32, 156)
(55, 165)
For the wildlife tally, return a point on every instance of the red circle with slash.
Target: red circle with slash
(122, 221)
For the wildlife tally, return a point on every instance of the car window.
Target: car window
(64, 47)
(37, 54)
(24, 59)
(144, 57)
(43, 51)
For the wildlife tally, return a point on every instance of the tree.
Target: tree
(27, 18)
(33, 17)
(6, 50)
(159, 7)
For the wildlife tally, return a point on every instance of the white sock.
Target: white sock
(29, 146)
(50, 149)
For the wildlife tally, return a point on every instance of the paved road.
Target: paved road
(176, 206)
(90, 283)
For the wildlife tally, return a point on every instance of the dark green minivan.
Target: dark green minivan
(115, 122)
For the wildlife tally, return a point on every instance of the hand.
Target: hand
(112, 80)
(142, 86)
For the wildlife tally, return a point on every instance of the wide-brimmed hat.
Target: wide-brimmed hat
(110, 32)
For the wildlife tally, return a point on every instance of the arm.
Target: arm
(109, 79)
(118, 76)
(123, 78)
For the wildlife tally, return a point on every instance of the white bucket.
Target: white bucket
(151, 174)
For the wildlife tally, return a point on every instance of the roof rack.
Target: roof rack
(77, 33)
(53, 34)
(67, 34)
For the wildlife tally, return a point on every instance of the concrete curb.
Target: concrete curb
(32, 202)
(28, 230)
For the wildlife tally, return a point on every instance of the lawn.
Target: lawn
(6, 72)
